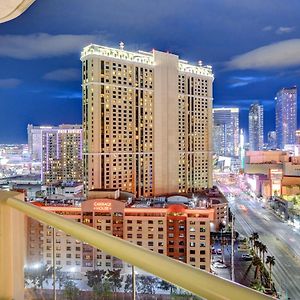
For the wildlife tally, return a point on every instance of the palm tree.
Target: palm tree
(264, 250)
(257, 246)
(251, 240)
(256, 262)
(255, 236)
(271, 261)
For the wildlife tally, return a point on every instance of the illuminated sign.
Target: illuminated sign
(275, 174)
(103, 206)
(275, 177)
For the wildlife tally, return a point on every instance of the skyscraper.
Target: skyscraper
(256, 127)
(226, 131)
(272, 142)
(286, 116)
(147, 122)
(61, 154)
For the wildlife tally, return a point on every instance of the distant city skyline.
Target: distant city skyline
(40, 75)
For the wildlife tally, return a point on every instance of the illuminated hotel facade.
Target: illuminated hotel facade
(176, 230)
(226, 131)
(147, 122)
(256, 127)
(286, 116)
(61, 154)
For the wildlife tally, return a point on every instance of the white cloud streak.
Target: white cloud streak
(283, 30)
(9, 83)
(41, 45)
(278, 55)
(70, 74)
(267, 28)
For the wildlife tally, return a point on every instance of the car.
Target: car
(218, 265)
(213, 251)
(219, 251)
(247, 257)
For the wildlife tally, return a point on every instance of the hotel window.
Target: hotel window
(202, 252)
(192, 229)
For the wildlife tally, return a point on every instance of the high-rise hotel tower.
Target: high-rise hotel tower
(147, 122)
(286, 116)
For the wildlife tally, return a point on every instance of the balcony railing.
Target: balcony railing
(10, 9)
(12, 253)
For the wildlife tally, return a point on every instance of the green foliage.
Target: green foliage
(164, 285)
(95, 277)
(61, 277)
(256, 285)
(146, 284)
(114, 278)
(37, 276)
(71, 291)
(128, 284)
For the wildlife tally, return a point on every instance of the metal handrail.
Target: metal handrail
(198, 282)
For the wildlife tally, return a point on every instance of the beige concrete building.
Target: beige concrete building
(147, 120)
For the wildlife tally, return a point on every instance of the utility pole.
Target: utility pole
(232, 249)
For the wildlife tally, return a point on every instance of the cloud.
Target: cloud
(70, 74)
(41, 45)
(278, 55)
(239, 81)
(9, 83)
(68, 95)
(282, 30)
(267, 28)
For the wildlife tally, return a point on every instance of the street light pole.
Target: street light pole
(54, 263)
(232, 249)
(133, 283)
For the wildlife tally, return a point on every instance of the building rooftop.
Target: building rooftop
(142, 57)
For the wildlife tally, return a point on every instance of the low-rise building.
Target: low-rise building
(176, 226)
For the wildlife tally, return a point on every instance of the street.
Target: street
(282, 241)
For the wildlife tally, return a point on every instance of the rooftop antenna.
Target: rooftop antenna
(122, 45)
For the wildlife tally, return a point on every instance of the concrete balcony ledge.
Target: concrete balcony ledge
(10, 9)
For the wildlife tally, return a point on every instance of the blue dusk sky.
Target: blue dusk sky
(253, 46)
